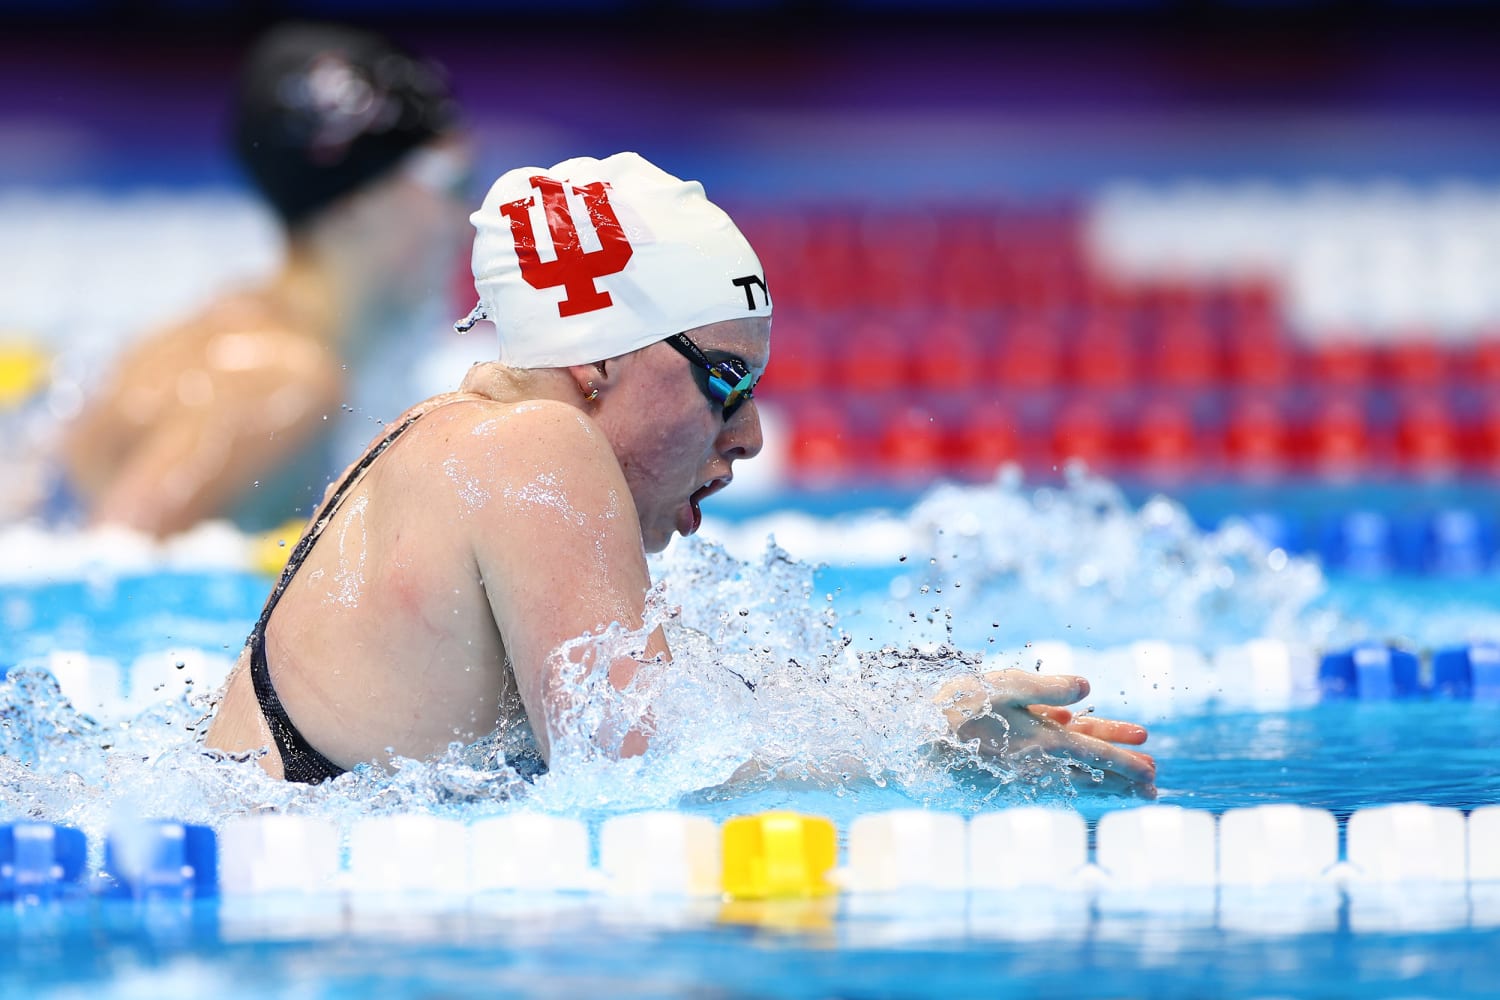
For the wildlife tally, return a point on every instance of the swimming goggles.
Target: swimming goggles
(726, 383)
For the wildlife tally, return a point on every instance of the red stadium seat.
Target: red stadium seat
(1427, 440)
(874, 355)
(1030, 353)
(1039, 279)
(1482, 360)
(1341, 363)
(1166, 443)
(1250, 303)
(1260, 354)
(1256, 442)
(824, 444)
(801, 357)
(1098, 293)
(899, 253)
(1484, 440)
(913, 444)
(970, 270)
(1417, 361)
(1183, 352)
(985, 439)
(1338, 443)
(1102, 355)
(832, 263)
(951, 353)
(1178, 297)
(1083, 431)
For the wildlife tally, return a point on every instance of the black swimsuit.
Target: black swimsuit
(300, 761)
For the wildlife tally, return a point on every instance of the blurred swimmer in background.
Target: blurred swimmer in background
(357, 146)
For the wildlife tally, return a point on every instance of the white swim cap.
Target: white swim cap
(591, 259)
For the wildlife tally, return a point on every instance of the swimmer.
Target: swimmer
(356, 146)
(489, 526)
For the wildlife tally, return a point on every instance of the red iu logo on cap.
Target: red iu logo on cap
(575, 268)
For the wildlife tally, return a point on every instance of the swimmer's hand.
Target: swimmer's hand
(1016, 714)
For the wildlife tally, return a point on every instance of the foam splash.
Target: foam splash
(1024, 564)
(768, 687)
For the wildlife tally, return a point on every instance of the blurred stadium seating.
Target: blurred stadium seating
(1235, 241)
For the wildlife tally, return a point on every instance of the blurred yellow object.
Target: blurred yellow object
(778, 855)
(271, 549)
(23, 370)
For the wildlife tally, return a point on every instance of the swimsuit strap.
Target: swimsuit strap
(300, 760)
(330, 507)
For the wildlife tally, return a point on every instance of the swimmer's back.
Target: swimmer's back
(387, 636)
(192, 416)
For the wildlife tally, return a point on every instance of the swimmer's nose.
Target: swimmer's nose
(741, 436)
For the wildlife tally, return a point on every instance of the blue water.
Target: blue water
(1339, 756)
(573, 954)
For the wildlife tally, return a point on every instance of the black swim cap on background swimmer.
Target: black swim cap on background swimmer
(323, 109)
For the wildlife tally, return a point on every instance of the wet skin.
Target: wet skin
(508, 520)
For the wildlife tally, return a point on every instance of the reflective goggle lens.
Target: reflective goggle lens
(728, 387)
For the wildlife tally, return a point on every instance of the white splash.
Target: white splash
(770, 690)
(1081, 563)
(543, 491)
(353, 550)
(471, 489)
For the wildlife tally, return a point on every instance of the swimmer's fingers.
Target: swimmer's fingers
(1022, 734)
(1110, 730)
(1113, 730)
(1005, 691)
(1136, 768)
(1061, 716)
(1022, 687)
(1111, 783)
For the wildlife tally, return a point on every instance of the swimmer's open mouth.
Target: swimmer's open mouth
(703, 492)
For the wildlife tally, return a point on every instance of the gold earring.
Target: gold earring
(593, 393)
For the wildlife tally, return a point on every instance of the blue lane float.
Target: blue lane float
(1468, 671)
(1371, 672)
(1447, 542)
(1374, 671)
(1457, 543)
(160, 858)
(40, 860)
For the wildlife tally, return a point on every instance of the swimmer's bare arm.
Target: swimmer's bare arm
(569, 559)
(570, 562)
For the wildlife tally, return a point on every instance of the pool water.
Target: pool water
(194, 952)
(842, 621)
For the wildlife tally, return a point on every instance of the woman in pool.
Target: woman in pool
(489, 526)
(357, 148)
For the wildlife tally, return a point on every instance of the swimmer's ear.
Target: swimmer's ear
(589, 378)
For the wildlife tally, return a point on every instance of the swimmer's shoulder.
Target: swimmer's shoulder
(501, 444)
(465, 420)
